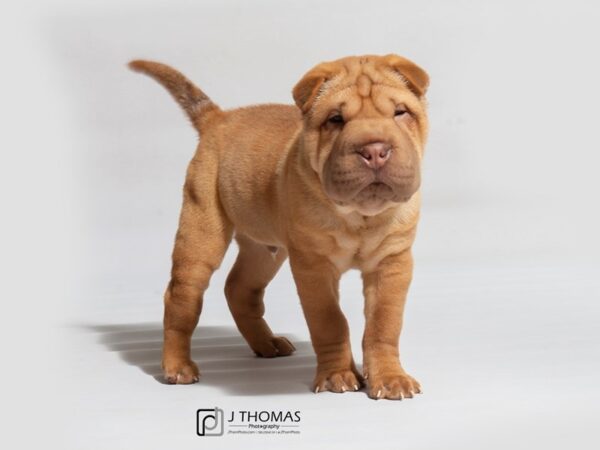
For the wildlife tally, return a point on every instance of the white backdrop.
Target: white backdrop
(502, 319)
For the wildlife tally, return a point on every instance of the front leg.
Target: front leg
(317, 281)
(385, 291)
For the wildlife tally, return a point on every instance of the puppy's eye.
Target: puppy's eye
(336, 119)
(400, 112)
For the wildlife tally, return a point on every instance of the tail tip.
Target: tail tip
(137, 65)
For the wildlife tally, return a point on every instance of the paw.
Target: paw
(393, 386)
(181, 372)
(274, 346)
(337, 381)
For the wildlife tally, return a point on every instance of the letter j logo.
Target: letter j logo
(209, 422)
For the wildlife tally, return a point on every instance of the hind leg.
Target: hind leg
(203, 236)
(254, 268)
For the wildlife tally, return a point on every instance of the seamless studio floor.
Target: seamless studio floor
(507, 352)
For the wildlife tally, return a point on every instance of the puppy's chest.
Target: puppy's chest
(355, 250)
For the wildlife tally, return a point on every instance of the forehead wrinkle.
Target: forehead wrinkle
(369, 109)
(334, 95)
(353, 106)
(373, 73)
(385, 75)
(353, 68)
(344, 85)
(349, 74)
(398, 95)
(380, 106)
(363, 85)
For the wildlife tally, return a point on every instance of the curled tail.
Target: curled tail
(194, 102)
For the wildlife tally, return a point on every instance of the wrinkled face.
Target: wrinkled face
(365, 127)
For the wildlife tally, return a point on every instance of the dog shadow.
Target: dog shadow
(223, 356)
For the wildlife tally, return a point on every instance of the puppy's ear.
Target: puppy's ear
(417, 78)
(308, 87)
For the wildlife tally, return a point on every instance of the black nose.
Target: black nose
(376, 154)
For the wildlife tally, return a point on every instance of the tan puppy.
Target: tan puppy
(331, 183)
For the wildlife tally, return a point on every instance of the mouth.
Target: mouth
(379, 186)
(376, 190)
(369, 188)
